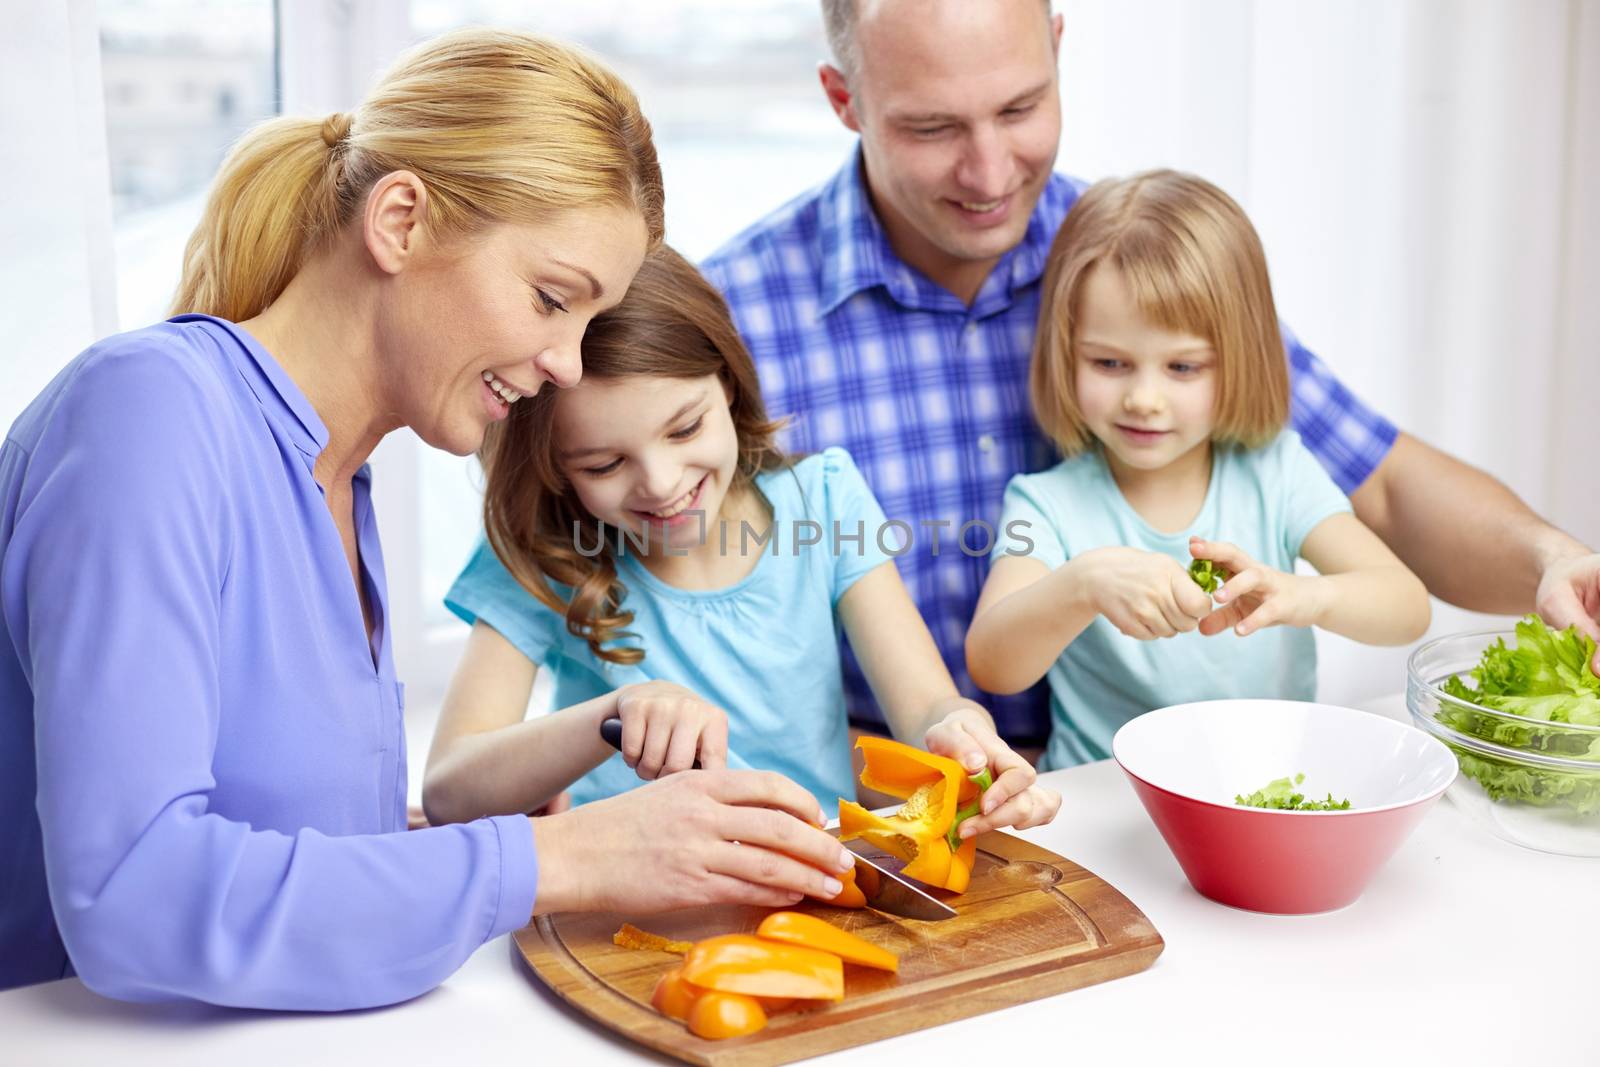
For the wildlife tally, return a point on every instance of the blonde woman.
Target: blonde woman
(202, 760)
(1159, 372)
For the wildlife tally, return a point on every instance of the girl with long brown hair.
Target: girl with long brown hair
(649, 545)
(1159, 371)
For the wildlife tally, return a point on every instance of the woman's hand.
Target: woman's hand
(1015, 799)
(1255, 596)
(665, 728)
(1143, 594)
(702, 837)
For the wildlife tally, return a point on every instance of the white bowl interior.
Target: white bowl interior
(1216, 749)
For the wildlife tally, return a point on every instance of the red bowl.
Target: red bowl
(1187, 763)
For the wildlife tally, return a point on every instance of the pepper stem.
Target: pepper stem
(984, 780)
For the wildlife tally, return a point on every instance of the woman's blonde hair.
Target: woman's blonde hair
(671, 324)
(500, 127)
(1193, 263)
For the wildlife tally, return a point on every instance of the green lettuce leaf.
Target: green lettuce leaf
(1280, 795)
(1548, 681)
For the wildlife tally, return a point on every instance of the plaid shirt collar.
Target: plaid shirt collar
(857, 256)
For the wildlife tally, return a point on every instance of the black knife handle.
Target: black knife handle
(611, 734)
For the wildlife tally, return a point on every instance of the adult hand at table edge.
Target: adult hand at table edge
(696, 837)
(1569, 595)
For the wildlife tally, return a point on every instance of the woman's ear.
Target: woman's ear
(394, 225)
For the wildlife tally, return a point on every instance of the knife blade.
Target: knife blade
(886, 890)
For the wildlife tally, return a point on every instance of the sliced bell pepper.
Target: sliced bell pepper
(739, 963)
(673, 997)
(850, 896)
(934, 789)
(716, 1016)
(794, 928)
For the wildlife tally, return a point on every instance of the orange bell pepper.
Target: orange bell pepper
(673, 997)
(630, 936)
(934, 789)
(721, 1015)
(851, 895)
(794, 928)
(739, 963)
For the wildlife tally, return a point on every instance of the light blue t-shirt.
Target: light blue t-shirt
(1265, 500)
(765, 650)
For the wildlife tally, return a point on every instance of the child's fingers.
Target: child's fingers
(1242, 584)
(1032, 807)
(952, 739)
(682, 748)
(714, 741)
(632, 733)
(998, 756)
(1267, 614)
(1229, 555)
(1011, 783)
(1224, 618)
(657, 736)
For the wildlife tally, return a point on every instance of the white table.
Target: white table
(1464, 950)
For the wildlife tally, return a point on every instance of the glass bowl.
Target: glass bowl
(1528, 781)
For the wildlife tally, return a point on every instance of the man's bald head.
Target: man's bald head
(839, 19)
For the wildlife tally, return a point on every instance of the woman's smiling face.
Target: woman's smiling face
(481, 323)
(655, 456)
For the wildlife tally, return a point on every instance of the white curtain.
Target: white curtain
(57, 278)
(1423, 176)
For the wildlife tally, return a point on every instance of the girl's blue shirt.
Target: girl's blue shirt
(764, 649)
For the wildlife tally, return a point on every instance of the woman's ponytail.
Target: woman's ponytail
(273, 199)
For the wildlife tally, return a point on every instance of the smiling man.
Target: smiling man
(892, 311)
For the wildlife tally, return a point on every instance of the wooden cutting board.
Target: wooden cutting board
(1032, 924)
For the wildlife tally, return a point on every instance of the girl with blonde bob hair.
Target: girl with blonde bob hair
(204, 780)
(651, 547)
(1159, 371)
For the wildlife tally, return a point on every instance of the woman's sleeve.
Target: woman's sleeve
(114, 573)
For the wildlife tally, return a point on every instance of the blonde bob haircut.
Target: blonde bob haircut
(1194, 264)
(500, 126)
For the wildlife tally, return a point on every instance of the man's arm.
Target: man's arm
(1473, 542)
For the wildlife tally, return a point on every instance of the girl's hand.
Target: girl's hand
(1255, 595)
(1015, 799)
(706, 837)
(665, 727)
(1143, 594)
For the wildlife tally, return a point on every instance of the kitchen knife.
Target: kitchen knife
(887, 891)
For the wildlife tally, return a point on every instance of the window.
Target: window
(183, 78)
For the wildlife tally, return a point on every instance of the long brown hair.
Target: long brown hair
(671, 324)
(500, 127)
(1194, 263)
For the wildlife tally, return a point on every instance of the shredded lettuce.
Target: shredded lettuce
(1280, 795)
(1207, 575)
(1547, 679)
